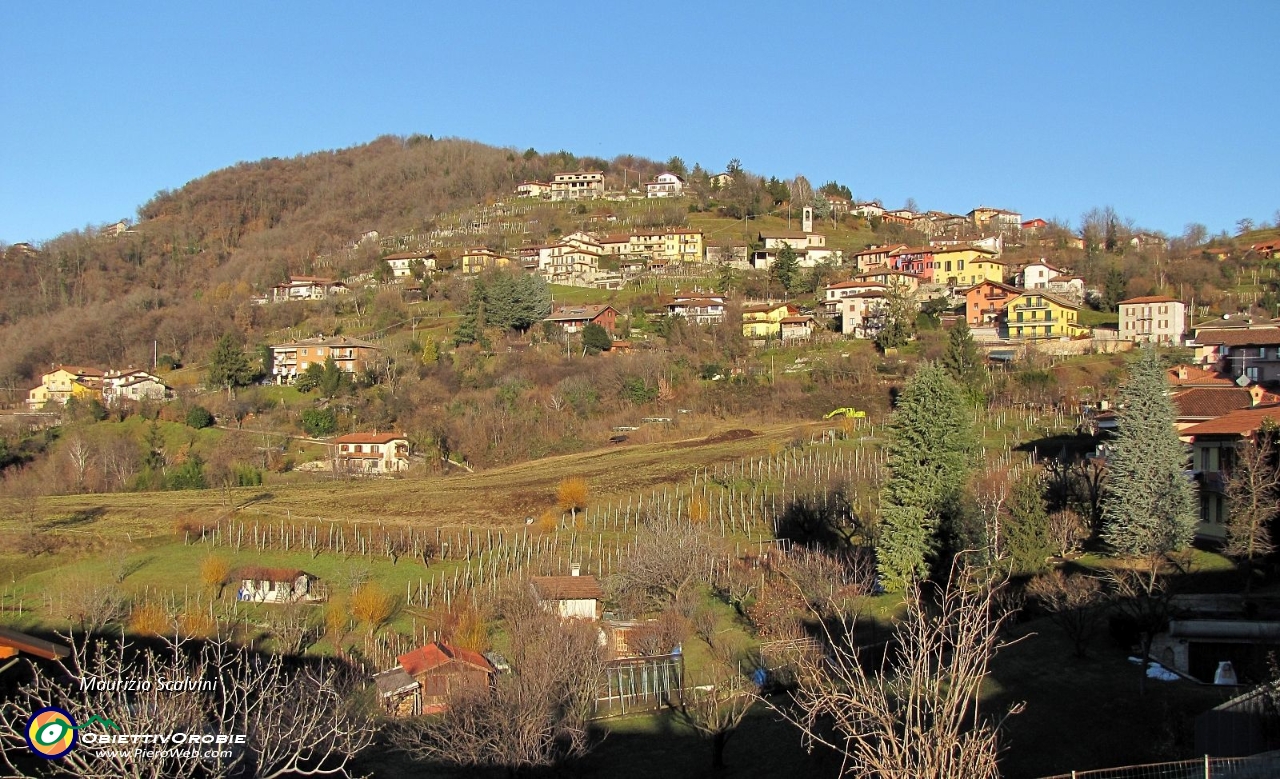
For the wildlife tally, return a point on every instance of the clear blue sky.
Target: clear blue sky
(1166, 111)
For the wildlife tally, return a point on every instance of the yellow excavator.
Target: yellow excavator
(848, 413)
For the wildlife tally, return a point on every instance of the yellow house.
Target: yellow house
(1034, 314)
(673, 246)
(765, 320)
(965, 266)
(477, 260)
(64, 383)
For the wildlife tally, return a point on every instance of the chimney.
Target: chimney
(1182, 372)
(575, 569)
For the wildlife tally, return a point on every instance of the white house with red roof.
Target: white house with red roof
(371, 453)
(1153, 319)
(834, 293)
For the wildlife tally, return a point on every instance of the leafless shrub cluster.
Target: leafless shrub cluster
(918, 715)
(299, 720)
(534, 716)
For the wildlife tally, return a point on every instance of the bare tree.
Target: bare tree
(534, 716)
(1074, 604)
(1144, 596)
(918, 717)
(1253, 490)
(715, 703)
(297, 721)
(665, 558)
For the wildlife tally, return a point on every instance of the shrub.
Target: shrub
(571, 494)
(150, 619)
(319, 421)
(199, 417)
(188, 476)
(636, 390)
(595, 339)
(372, 606)
(214, 571)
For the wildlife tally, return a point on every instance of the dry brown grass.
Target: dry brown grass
(498, 497)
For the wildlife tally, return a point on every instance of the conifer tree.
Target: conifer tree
(1149, 506)
(786, 268)
(962, 359)
(228, 365)
(930, 450)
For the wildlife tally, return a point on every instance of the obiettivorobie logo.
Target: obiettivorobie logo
(52, 732)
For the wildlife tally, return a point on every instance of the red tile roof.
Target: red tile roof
(1191, 376)
(1243, 422)
(260, 573)
(439, 653)
(369, 438)
(577, 313)
(1211, 402)
(1149, 299)
(567, 587)
(1259, 336)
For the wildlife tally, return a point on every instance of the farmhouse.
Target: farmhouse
(64, 383)
(665, 185)
(306, 288)
(574, 318)
(277, 585)
(371, 453)
(571, 597)
(132, 384)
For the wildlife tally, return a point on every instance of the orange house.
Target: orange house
(984, 302)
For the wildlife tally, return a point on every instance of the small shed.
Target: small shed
(571, 597)
(439, 670)
(277, 585)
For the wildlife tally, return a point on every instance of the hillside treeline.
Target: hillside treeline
(184, 274)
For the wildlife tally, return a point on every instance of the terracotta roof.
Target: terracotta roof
(1211, 402)
(369, 438)
(960, 247)
(411, 256)
(1001, 285)
(439, 653)
(1243, 422)
(567, 587)
(32, 645)
(307, 280)
(575, 313)
(1150, 299)
(796, 320)
(1259, 336)
(1191, 376)
(879, 250)
(854, 284)
(78, 370)
(260, 573)
(340, 341)
(764, 308)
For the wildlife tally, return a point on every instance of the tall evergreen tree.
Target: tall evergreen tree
(898, 323)
(1148, 505)
(931, 445)
(962, 359)
(228, 366)
(786, 268)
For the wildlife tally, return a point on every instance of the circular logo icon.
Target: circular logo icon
(51, 733)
